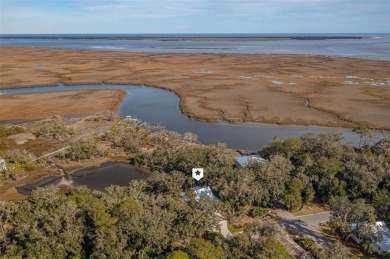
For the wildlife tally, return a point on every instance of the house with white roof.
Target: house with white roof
(244, 161)
(200, 192)
(381, 246)
(205, 191)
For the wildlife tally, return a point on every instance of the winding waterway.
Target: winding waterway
(158, 106)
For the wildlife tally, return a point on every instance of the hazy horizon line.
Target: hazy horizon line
(184, 33)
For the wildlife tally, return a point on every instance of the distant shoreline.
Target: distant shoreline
(182, 38)
(344, 92)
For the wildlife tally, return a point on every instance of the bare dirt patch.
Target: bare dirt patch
(22, 138)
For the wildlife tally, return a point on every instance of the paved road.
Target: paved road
(223, 224)
(224, 228)
(307, 225)
(314, 220)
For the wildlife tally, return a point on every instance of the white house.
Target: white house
(380, 246)
(243, 161)
(200, 192)
(205, 191)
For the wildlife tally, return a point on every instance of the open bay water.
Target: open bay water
(367, 46)
(161, 107)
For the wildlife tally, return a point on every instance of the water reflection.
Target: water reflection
(158, 106)
(97, 178)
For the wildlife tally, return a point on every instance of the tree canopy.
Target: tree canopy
(148, 217)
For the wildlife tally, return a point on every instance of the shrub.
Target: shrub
(16, 155)
(258, 212)
(272, 248)
(385, 255)
(103, 116)
(8, 130)
(55, 128)
(18, 161)
(129, 144)
(15, 167)
(178, 254)
(30, 166)
(309, 245)
(234, 229)
(85, 149)
(3, 145)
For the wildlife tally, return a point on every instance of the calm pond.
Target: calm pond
(158, 106)
(96, 178)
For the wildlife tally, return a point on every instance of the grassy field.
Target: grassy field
(267, 88)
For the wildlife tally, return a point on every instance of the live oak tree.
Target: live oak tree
(382, 205)
(85, 149)
(46, 225)
(335, 250)
(204, 249)
(148, 217)
(345, 213)
(368, 235)
(178, 254)
(364, 132)
(292, 197)
(332, 169)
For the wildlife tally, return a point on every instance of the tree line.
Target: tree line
(148, 217)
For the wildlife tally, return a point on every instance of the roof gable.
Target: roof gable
(244, 161)
(381, 227)
(200, 192)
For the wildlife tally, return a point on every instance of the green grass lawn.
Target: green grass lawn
(234, 229)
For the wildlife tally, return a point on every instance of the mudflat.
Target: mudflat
(343, 92)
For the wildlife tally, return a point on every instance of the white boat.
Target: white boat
(130, 118)
(3, 93)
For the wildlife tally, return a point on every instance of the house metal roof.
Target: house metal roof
(380, 226)
(243, 161)
(200, 192)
